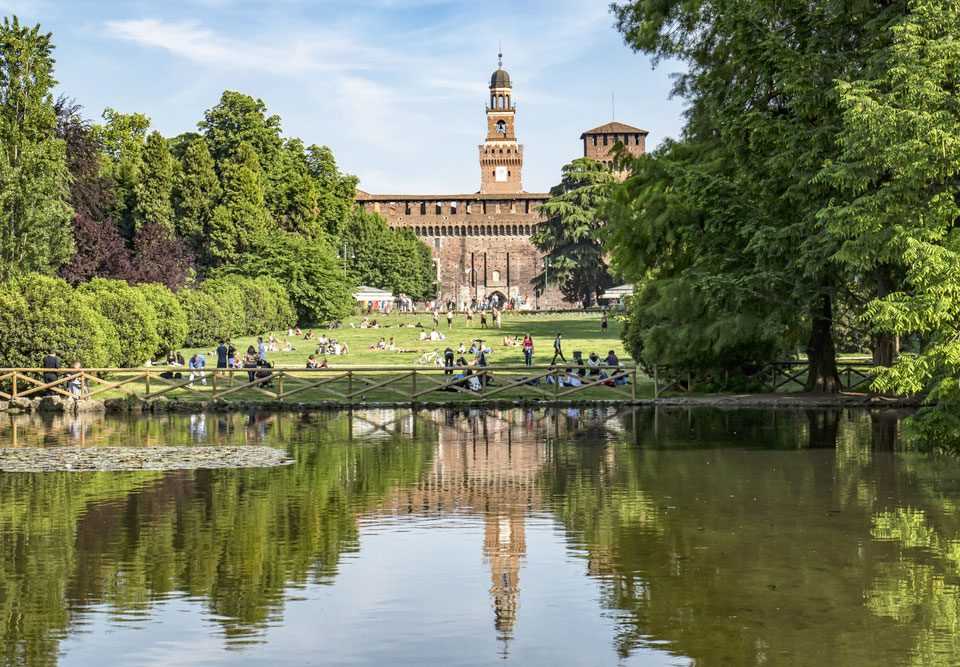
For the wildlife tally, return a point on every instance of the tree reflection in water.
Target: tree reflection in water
(729, 538)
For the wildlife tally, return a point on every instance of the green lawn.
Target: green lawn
(580, 332)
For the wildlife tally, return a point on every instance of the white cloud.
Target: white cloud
(200, 45)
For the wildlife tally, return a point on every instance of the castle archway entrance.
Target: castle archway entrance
(498, 299)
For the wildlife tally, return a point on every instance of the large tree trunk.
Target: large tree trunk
(886, 346)
(822, 375)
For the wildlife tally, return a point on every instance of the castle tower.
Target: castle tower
(501, 157)
(600, 142)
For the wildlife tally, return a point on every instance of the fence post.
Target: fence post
(656, 382)
(349, 384)
(280, 386)
(14, 390)
(213, 384)
(633, 384)
(147, 382)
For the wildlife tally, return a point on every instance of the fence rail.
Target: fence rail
(353, 384)
(773, 377)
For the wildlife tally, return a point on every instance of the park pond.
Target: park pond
(631, 536)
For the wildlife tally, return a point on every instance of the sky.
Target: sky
(396, 88)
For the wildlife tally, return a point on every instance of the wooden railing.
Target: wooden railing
(776, 376)
(350, 385)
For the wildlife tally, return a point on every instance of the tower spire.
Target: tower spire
(500, 55)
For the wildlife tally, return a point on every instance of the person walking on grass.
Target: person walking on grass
(449, 317)
(261, 349)
(558, 350)
(527, 350)
(604, 323)
(483, 319)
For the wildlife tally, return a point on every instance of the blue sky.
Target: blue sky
(395, 87)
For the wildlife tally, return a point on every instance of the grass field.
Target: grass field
(580, 332)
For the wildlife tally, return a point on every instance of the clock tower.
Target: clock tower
(501, 157)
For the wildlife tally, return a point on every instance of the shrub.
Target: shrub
(132, 315)
(266, 305)
(171, 318)
(40, 314)
(207, 321)
(229, 295)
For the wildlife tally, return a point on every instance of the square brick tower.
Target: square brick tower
(501, 157)
(598, 143)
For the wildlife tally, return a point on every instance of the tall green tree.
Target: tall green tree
(337, 190)
(292, 194)
(571, 235)
(391, 259)
(899, 174)
(196, 196)
(759, 82)
(240, 119)
(35, 229)
(241, 222)
(154, 190)
(123, 137)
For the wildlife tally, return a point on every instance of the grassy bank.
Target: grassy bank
(580, 331)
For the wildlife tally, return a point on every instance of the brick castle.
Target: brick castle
(481, 241)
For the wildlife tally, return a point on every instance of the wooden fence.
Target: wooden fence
(773, 377)
(347, 385)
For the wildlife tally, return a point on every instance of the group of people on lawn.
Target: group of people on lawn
(594, 371)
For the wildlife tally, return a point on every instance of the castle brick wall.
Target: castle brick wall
(481, 244)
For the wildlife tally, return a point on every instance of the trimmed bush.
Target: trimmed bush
(229, 294)
(132, 315)
(171, 318)
(207, 321)
(266, 305)
(40, 314)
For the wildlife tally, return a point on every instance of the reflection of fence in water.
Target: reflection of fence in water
(339, 384)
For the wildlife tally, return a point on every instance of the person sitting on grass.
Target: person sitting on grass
(297, 332)
(618, 375)
(379, 345)
(312, 362)
(461, 348)
(593, 364)
(288, 346)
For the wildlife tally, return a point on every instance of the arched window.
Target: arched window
(514, 232)
(423, 208)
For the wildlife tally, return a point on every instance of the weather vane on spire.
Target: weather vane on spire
(500, 55)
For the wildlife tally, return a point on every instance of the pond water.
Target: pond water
(529, 537)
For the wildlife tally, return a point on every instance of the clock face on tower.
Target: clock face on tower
(501, 175)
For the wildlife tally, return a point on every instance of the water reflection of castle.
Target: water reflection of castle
(485, 464)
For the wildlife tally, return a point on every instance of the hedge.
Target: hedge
(207, 321)
(171, 317)
(132, 315)
(39, 315)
